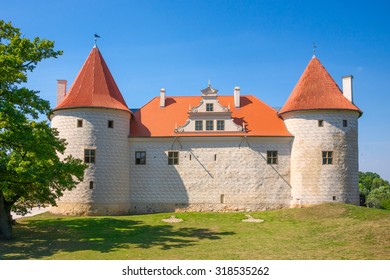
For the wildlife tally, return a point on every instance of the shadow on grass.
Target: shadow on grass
(36, 239)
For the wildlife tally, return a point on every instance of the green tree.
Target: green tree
(379, 198)
(375, 190)
(31, 169)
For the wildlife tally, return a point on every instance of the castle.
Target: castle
(207, 152)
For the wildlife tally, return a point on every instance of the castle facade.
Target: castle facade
(207, 152)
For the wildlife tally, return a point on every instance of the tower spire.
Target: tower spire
(314, 49)
(94, 86)
(96, 36)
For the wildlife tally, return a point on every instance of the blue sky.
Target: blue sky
(261, 46)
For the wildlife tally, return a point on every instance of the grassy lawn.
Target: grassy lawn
(328, 231)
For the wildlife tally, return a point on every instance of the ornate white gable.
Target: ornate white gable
(209, 116)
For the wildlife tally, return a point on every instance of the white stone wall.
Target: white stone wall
(214, 174)
(312, 181)
(110, 173)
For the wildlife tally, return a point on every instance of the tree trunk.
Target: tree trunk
(5, 219)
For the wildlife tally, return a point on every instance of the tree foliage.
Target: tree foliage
(31, 168)
(375, 189)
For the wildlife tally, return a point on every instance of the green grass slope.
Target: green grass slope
(327, 231)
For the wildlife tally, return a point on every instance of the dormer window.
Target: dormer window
(198, 125)
(209, 107)
(209, 125)
(220, 125)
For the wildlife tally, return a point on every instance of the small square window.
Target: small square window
(220, 125)
(140, 158)
(79, 123)
(320, 123)
(89, 155)
(209, 125)
(198, 125)
(91, 185)
(209, 107)
(327, 157)
(272, 157)
(110, 124)
(173, 158)
(345, 123)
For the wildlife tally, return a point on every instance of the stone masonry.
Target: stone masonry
(313, 181)
(212, 175)
(110, 174)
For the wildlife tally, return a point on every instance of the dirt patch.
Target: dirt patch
(250, 219)
(172, 219)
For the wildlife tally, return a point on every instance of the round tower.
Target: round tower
(324, 155)
(95, 121)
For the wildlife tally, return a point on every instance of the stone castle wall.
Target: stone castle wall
(312, 181)
(110, 173)
(213, 174)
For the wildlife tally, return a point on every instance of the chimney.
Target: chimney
(347, 87)
(61, 90)
(237, 97)
(162, 97)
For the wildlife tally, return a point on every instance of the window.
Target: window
(220, 125)
(198, 125)
(140, 158)
(173, 158)
(327, 157)
(89, 155)
(110, 124)
(345, 123)
(79, 123)
(209, 107)
(209, 125)
(320, 123)
(272, 157)
(91, 185)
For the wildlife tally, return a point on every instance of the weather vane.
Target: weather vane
(96, 37)
(314, 49)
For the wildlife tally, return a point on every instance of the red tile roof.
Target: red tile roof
(316, 89)
(155, 121)
(94, 86)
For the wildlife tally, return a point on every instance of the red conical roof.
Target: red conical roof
(315, 90)
(94, 86)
